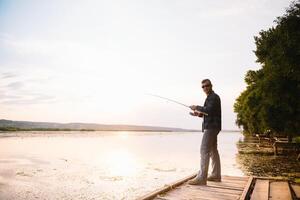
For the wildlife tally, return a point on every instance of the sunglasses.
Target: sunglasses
(203, 86)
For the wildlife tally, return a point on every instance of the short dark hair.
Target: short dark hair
(206, 80)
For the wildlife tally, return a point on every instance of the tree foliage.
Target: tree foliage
(271, 101)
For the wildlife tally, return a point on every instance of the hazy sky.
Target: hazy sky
(94, 61)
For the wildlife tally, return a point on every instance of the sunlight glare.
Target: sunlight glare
(121, 163)
(123, 134)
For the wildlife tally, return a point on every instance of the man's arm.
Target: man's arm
(197, 112)
(208, 108)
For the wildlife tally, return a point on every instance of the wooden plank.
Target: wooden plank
(229, 189)
(236, 177)
(280, 190)
(246, 188)
(296, 189)
(261, 190)
(191, 193)
(220, 190)
(237, 182)
(158, 197)
(211, 190)
(229, 183)
(166, 188)
(187, 191)
(226, 185)
(272, 178)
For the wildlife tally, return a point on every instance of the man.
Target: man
(211, 112)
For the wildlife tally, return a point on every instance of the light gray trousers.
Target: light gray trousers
(209, 150)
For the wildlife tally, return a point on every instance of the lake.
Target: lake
(102, 165)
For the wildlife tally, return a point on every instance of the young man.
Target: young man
(211, 126)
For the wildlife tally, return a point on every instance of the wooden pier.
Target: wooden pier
(231, 187)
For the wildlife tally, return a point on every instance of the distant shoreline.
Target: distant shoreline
(14, 129)
(12, 126)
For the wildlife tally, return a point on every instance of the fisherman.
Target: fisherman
(211, 126)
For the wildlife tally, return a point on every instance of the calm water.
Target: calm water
(101, 165)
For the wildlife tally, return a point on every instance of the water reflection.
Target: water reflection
(102, 165)
(123, 134)
(121, 163)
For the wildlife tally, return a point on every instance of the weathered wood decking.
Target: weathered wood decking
(230, 188)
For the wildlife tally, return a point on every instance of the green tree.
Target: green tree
(271, 100)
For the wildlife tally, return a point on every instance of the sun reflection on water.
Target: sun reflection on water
(121, 163)
(123, 134)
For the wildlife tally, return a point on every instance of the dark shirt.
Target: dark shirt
(212, 106)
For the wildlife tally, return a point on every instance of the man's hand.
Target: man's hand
(196, 114)
(193, 114)
(193, 107)
(199, 114)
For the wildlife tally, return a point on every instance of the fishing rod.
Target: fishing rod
(177, 102)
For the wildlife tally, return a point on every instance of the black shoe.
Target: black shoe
(211, 178)
(196, 181)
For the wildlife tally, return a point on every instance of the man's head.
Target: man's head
(206, 86)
